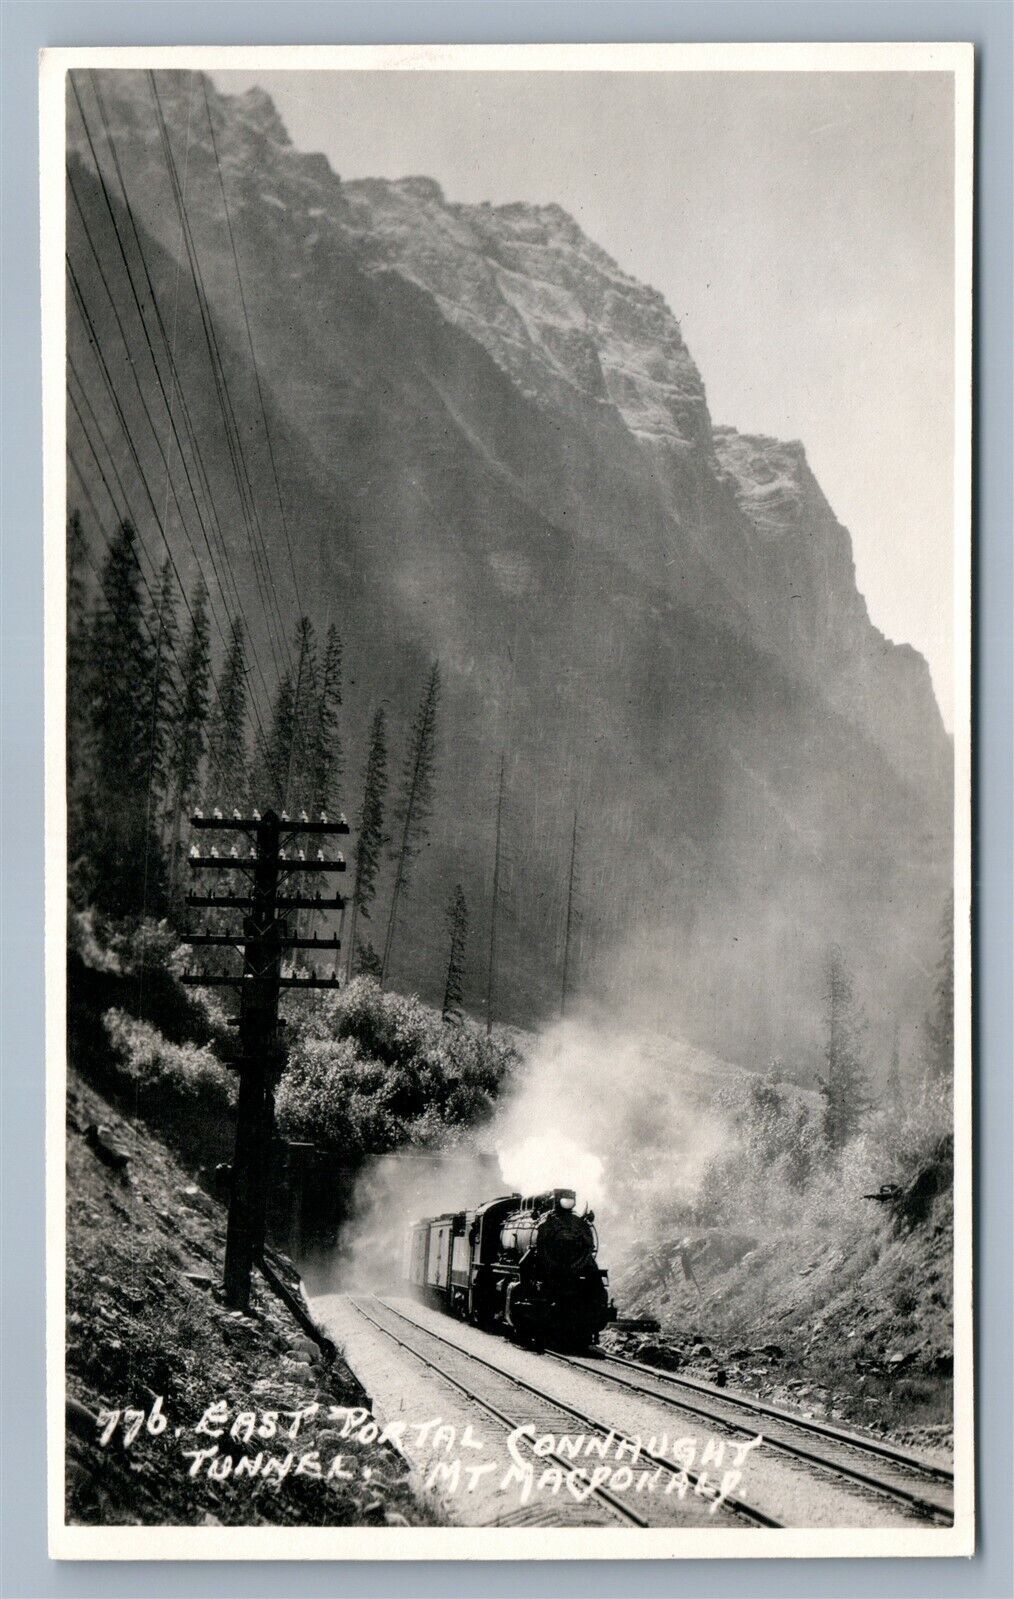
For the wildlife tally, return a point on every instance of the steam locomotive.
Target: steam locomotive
(525, 1267)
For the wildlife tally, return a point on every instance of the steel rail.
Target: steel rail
(874, 1446)
(599, 1492)
(737, 1506)
(928, 1508)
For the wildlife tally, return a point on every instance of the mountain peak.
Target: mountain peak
(549, 305)
(257, 110)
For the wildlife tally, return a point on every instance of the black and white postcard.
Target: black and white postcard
(508, 863)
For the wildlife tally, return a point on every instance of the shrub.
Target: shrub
(369, 1071)
(135, 967)
(148, 1060)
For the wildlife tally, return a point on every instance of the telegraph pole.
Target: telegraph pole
(264, 937)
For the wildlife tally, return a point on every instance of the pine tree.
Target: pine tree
(297, 774)
(325, 751)
(416, 801)
(191, 727)
(80, 755)
(368, 962)
(226, 781)
(125, 865)
(370, 835)
(844, 1087)
(456, 917)
(940, 1022)
(273, 750)
(78, 652)
(163, 629)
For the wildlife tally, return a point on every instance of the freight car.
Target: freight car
(523, 1266)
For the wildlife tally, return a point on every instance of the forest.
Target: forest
(156, 733)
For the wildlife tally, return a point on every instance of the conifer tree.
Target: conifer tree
(163, 630)
(273, 752)
(940, 1022)
(844, 1087)
(226, 780)
(191, 726)
(456, 917)
(370, 836)
(125, 862)
(415, 803)
(325, 748)
(368, 962)
(78, 710)
(297, 774)
(77, 651)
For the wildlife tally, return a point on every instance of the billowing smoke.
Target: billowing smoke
(552, 1160)
(393, 1192)
(622, 1118)
(618, 1115)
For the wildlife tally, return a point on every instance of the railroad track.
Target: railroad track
(832, 1448)
(514, 1402)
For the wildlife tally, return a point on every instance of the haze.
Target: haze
(800, 227)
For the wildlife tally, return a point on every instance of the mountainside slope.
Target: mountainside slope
(494, 448)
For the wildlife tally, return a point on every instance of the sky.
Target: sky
(800, 227)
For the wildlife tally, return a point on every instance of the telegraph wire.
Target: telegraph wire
(234, 600)
(126, 512)
(107, 543)
(305, 656)
(131, 516)
(266, 587)
(137, 305)
(253, 353)
(144, 481)
(110, 386)
(233, 435)
(174, 369)
(151, 422)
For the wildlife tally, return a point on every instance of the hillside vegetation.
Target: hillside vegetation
(147, 1333)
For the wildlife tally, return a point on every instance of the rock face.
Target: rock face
(553, 310)
(493, 446)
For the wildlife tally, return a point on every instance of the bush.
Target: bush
(148, 1060)
(370, 1071)
(135, 967)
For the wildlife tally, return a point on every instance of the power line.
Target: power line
(126, 511)
(178, 385)
(111, 389)
(143, 480)
(268, 592)
(211, 752)
(107, 542)
(253, 353)
(151, 422)
(233, 434)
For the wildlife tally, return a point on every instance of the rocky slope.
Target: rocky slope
(147, 1332)
(849, 1320)
(494, 447)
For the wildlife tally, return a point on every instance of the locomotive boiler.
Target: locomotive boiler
(525, 1266)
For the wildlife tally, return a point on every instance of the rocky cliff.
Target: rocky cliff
(494, 447)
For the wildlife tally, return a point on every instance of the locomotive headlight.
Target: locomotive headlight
(566, 1203)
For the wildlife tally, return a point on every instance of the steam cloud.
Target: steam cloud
(623, 1118)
